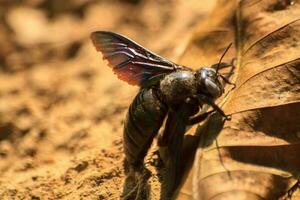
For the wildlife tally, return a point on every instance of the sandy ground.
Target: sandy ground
(61, 108)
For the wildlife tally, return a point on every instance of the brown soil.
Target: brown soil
(61, 107)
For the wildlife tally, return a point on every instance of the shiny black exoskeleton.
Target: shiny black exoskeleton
(167, 91)
(183, 89)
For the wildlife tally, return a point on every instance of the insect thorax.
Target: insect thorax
(178, 86)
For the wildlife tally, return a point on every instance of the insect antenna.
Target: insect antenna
(218, 66)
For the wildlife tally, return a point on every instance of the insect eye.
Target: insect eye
(212, 74)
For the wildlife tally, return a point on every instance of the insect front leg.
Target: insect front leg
(210, 102)
(225, 76)
(199, 118)
(219, 110)
(292, 190)
(222, 65)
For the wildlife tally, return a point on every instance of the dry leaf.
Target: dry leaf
(256, 154)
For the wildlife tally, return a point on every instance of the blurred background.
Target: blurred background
(61, 107)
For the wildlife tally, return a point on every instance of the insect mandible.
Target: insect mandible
(166, 89)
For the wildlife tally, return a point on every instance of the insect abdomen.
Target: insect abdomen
(144, 118)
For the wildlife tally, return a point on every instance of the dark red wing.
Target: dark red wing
(129, 60)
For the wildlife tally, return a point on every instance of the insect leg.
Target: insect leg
(219, 110)
(225, 76)
(199, 118)
(215, 106)
(227, 81)
(143, 191)
(130, 187)
(293, 189)
(221, 65)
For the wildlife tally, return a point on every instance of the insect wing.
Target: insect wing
(173, 135)
(130, 61)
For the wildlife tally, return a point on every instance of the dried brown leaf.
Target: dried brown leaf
(256, 154)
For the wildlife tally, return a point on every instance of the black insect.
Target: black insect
(166, 89)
